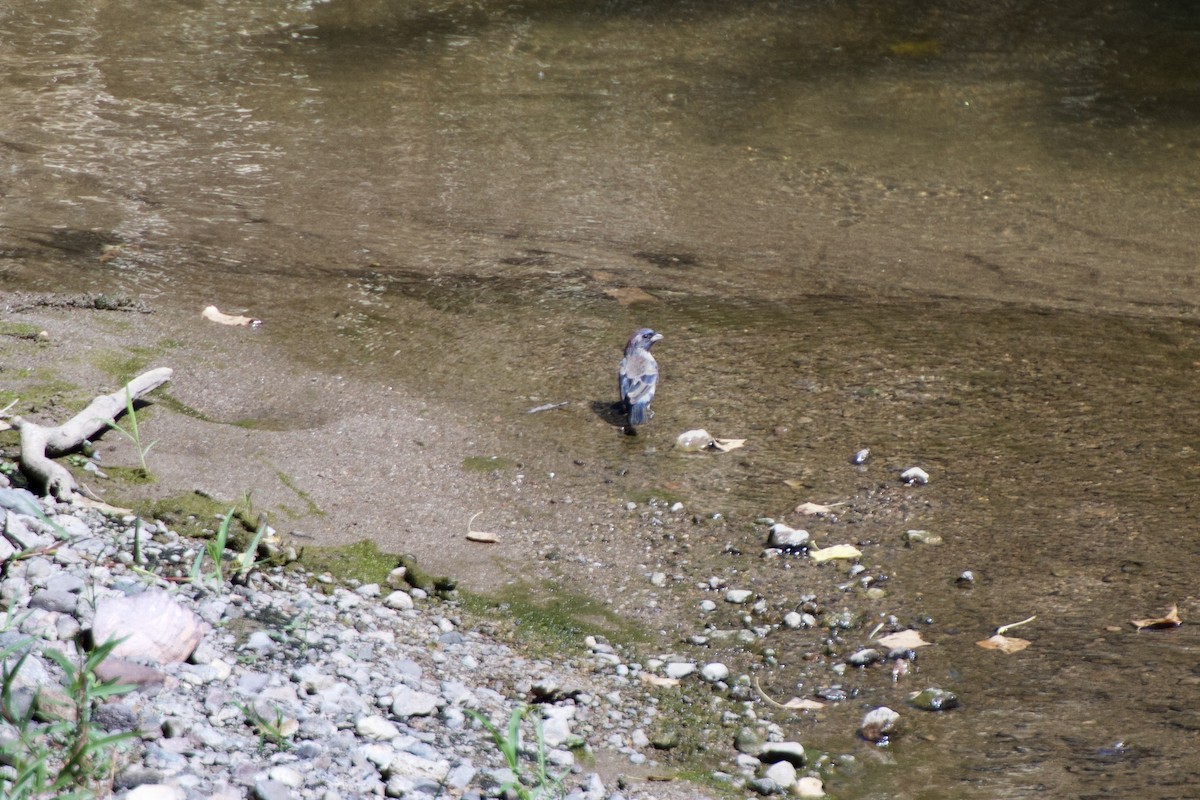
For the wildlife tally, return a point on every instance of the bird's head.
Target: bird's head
(642, 339)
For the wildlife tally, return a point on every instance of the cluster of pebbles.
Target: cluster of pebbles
(293, 686)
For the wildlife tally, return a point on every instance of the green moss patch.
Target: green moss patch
(19, 330)
(361, 561)
(130, 475)
(197, 515)
(556, 617)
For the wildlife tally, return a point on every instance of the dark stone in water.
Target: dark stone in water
(864, 657)
(833, 694)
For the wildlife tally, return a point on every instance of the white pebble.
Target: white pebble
(679, 669)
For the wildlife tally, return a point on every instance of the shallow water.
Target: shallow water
(962, 235)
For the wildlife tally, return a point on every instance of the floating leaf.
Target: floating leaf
(211, 313)
(1170, 620)
(696, 440)
(836, 551)
(1005, 644)
(812, 509)
(794, 484)
(903, 640)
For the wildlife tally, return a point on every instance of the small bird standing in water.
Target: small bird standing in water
(638, 375)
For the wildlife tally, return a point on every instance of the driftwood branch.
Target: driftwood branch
(39, 443)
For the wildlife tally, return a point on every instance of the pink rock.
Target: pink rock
(155, 627)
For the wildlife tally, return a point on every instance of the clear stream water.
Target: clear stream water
(963, 234)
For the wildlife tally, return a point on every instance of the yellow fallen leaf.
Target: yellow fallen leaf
(211, 313)
(1005, 644)
(725, 445)
(836, 551)
(1170, 620)
(794, 484)
(812, 509)
(904, 640)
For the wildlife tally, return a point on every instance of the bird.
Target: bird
(637, 375)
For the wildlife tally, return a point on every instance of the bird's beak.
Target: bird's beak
(655, 338)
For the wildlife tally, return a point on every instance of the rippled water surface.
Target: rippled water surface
(962, 234)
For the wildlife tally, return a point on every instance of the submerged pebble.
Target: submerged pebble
(933, 699)
(879, 724)
(787, 538)
(922, 537)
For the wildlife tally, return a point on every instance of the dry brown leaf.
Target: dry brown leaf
(628, 295)
(1170, 620)
(903, 640)
(211, 313)
(1005, 644)
(836, 551)
(795, 704)
(480, 536)
(803, 704)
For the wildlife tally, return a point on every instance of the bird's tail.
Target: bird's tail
(638, 413)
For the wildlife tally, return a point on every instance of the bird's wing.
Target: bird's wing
(638, 376)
